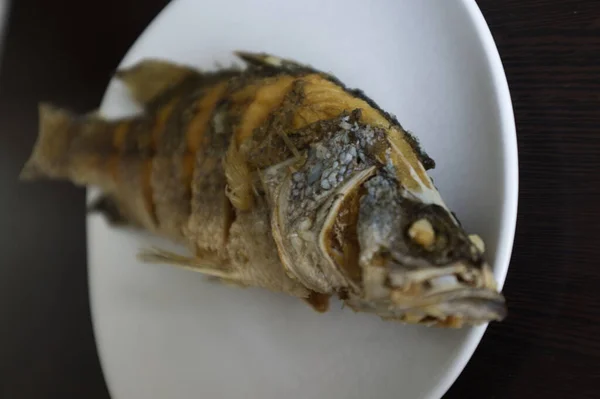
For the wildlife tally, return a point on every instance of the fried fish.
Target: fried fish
(277, 176)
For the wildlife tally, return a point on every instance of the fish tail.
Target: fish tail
(50, 155)
(84, 149)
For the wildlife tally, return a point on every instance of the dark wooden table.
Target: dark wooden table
(548, 347)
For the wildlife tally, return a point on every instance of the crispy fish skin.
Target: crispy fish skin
(277, 176)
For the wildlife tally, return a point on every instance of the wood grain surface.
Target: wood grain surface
(549, 346)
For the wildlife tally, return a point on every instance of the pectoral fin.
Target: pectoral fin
(210, 266)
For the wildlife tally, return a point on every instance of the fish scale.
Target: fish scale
(170, 195)
(211, 211)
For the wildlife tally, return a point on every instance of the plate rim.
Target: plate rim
(510, 185)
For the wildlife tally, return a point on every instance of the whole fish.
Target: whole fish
(277, 176)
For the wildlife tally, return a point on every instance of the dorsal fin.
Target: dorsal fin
(150, 78)
(266, 60)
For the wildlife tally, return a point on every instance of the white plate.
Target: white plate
(169, 333)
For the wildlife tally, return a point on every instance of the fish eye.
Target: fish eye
(422, 233)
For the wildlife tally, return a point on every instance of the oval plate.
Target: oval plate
(169, 333)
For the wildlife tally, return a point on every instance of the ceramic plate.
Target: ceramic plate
(169, 333)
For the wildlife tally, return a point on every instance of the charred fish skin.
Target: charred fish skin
(281, 177)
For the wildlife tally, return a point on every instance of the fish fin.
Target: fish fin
(209, 266)
(150, 78)
(95, 115)
(319, 302)
(271, 61)
(108, 207)
(49, 158)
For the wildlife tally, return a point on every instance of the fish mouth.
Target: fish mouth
(452, 296)
(454, 308)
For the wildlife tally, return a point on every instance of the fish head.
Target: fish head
(417, 263)
(353, 218)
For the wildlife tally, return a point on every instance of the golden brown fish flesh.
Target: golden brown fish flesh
(277, 176)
